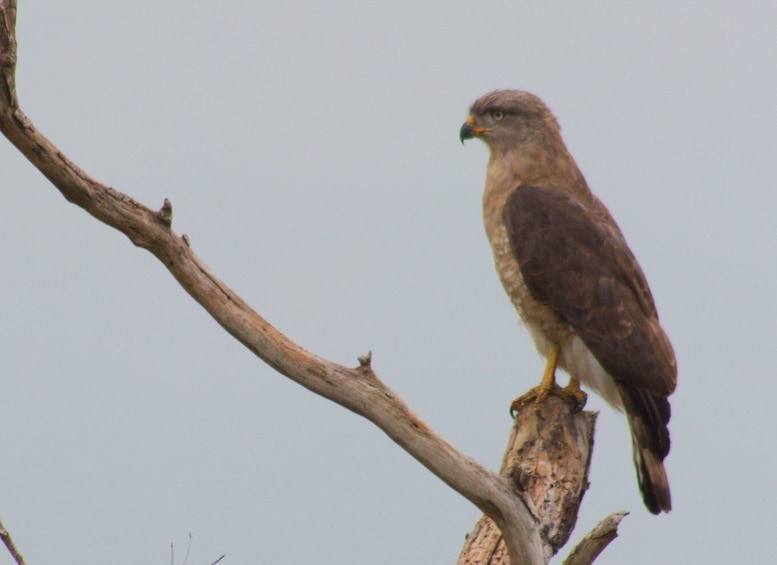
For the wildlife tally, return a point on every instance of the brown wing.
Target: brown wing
(575, 259)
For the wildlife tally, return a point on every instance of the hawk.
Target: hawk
(573, 279)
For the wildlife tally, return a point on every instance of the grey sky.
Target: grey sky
(310, 151)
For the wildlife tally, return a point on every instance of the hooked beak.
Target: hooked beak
(470, 130)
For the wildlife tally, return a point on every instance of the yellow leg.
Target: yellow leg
(571, 393)
(548, 382)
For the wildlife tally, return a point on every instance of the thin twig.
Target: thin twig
(188, 550)
(9, 543)
(596, 540)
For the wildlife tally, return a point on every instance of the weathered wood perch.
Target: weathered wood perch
(547, 457)
(533, 502)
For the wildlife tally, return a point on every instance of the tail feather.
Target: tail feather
(653, 482)
(648, 416)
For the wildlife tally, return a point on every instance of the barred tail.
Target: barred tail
(648, 416)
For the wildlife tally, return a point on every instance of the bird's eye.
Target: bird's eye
(498, 115)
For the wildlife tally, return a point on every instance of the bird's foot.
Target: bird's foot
(572, 394)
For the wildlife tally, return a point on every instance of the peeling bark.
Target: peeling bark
(548, 457)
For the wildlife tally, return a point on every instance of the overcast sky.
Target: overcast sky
(311, 153)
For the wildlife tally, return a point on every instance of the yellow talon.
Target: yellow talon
(539, 394)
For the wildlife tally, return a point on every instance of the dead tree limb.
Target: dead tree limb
(596, 540)
(10, 545)
(532, 530)
(547, 457)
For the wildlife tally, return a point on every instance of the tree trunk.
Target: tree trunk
(547, 457)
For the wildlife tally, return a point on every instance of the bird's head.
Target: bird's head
(506, 119)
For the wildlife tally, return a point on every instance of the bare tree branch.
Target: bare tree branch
(357, 389)
(8, 52)
(10, 545)
(188, 550)
(548, 457)
(596, 540)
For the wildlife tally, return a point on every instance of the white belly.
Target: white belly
(576, 359)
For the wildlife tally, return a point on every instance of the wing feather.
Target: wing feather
(574, 258)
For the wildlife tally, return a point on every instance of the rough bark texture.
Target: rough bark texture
(548, 456)
(8, 53)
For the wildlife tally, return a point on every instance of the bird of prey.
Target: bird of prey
(573, 279)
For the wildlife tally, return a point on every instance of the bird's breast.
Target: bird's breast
(544, 324)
